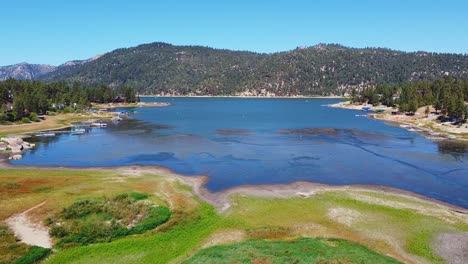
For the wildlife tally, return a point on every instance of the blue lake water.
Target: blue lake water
(239, 141)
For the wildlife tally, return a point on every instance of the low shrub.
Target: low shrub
(25, 120)
(68, 110)
(102, 220)
(34, 117)
(138, 196)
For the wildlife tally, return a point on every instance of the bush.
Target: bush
(51, 113)
(3, 118)
(102, 220)
(33, 116)
(25, 120)
(138, 196)
(68, 110)
(80, 209)
(34, 255)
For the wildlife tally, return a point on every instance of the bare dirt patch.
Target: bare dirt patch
(453, 247)
(30, 232)
(224, 237)
(343, 216)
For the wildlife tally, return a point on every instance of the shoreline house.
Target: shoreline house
(120, 99)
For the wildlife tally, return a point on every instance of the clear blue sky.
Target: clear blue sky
(55, 31)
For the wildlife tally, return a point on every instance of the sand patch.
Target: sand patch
(224, 237)
(29, 232)
(343, 216)
(453, 247)
(417, 205)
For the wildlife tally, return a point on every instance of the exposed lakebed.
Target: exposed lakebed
(238, 141)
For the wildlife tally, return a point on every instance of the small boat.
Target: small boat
(117, 119)
(78, 131)
(98, 124)
(45, 135)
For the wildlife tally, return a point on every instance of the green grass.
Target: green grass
(304, 250)
(10, 250)
(34, 255)
(378, 226)
(277, 218)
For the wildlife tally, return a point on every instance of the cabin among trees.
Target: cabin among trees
(448, 96)
(24, 100)
(120, 99)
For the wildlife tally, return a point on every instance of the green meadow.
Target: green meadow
(352, 226)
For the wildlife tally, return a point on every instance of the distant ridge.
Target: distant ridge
(25, 71)
(323, 69)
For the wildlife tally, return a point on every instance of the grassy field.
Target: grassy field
(400, 227)
(304, 250)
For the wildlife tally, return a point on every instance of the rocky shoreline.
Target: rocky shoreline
(427, 126)
(15, 145)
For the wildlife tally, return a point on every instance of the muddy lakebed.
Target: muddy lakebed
(245, 141)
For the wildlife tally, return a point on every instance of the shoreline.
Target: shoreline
(130, 105)
(246, 97)
(422, 126)
(222, 199)
(56, 122)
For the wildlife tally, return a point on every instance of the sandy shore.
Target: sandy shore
(221, 200)
(130, 105)
(427, 126)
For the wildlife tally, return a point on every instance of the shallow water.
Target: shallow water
(240, 141)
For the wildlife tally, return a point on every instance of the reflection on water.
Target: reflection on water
(260, 141)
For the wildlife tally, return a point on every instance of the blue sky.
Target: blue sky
(53, 32)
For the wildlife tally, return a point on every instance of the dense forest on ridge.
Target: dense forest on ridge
(325, 69)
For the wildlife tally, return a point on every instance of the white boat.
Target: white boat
(45, 135)
(78, 131)
(98, 124)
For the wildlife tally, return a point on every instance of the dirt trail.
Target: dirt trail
(28, 232)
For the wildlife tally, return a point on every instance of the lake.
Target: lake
(238, 141)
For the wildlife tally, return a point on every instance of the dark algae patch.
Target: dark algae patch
(303, 250)
(103, 220)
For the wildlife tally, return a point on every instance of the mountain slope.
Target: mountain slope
(160, 68)
(24, 71)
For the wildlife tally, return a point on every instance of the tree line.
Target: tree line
(447, 96)
(24, 100)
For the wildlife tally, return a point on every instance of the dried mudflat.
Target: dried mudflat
(408, 227)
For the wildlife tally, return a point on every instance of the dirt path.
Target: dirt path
(28, 232)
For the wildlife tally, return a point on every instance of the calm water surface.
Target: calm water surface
(262, 141)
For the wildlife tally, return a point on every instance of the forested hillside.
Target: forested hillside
(160, 68)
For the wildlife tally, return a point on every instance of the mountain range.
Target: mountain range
(324, 69)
